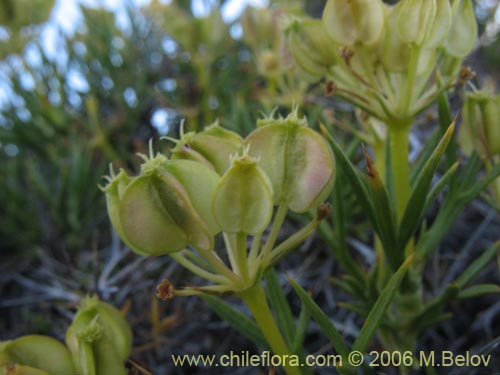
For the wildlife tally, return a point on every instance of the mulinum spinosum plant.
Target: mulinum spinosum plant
(216, 201)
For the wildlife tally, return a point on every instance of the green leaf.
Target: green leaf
(378, 310)
(342, 253)
(433, 309)
(384, 215)
(345, 286)
(300, 332)
(450, 173)
(352, 176)
(373, 198)
(479, 290)
(416, 204)
(445, 119)
(236, 319)
(320, 317)
(358, 307)
(358, 288)
(477, 266)
(425, 154)
(280, 305)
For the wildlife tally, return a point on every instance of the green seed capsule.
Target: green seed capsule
(14, 369)
(114, 192)
(80, 335)
(298, 161)
(166, 208)
(108, 360)
(141, 221)
(89, 339)
(113, 322)
(38, 352)
(211, 147)
(243, 200)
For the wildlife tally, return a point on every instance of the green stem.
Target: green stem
(230, 246)
(220, 267)
(241, 255)
(279, 218)
(255, 299)
(291, 243)
(186, 263)
(254, 249)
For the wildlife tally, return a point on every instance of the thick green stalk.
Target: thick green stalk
(399, 131)
(255, 299)
(408, 301)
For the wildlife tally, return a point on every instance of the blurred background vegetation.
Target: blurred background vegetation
(72, 101)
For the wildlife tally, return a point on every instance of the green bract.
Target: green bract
(36, 354)
(243, 200)
(166, 208)
(297, 159)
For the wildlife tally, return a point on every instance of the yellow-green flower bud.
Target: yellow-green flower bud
(463, 32)
(212, 147)
(166, 208)
(354, 21)
(440, 28)
(311, 47)
(480, 130)
(38, 352)
(243, 200)
(258, 28)
(268, 63)
(213, 30)
(415, 20)
(395, 54)
(298, 161)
